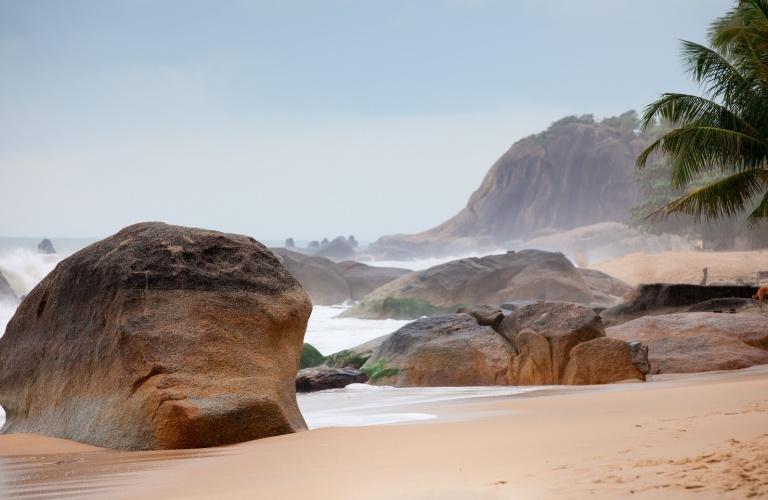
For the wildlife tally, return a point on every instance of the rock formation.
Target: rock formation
(321, 378)
(699, 342)
(338, 249)
(449, 350)
(157, 337)
(46, 246)
(329, 283)
(533, 345)
(495, 279)
(578, 172)
(664, 298)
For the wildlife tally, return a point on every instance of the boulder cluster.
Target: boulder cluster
(537, 344)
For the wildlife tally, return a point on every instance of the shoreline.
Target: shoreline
(680, 436)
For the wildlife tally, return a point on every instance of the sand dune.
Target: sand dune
(700, 436)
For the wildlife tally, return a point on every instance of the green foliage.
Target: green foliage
(718, 142)
(378, 370)
(346, 358)
(310, 357)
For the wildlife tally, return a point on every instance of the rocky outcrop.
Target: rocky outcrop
(665, 298)
(6, 292)
(46, 246)
(495, 279)
(606, 289)
(484, 315)
(601, 361)
(321, 378)
(157, 337)
(543, 335)
(337, 249)
(329, 283)
(699, 342)
(532, 346)
(449, 350)
(576, 173)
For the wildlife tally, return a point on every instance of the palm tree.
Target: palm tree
(724, 131)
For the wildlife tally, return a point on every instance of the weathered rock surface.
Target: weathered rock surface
(6, 292)
(157, 337)
(329, 283)
(726, 304)
(450, 350)
(606, 289)
(700, 341)
(485, 315)
(321, 378)
(601, 361)
(46, 246)
(495, 279)
(576, 173)
(543, 335)
(454, 350)
(665, 298)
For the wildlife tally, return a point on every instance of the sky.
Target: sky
(302, 119)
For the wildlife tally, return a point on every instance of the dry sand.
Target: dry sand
(685, 267)
(700, 436)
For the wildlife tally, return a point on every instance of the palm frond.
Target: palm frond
(726, 197)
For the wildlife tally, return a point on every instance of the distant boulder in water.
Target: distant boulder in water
(158, 337)
(338, 249)
(46, 246)
(289, 243)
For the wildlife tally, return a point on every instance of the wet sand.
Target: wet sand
(695, 436)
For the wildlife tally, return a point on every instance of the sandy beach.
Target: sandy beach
(698, 436)
(685, 267)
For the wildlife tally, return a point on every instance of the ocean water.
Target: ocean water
(355, 405)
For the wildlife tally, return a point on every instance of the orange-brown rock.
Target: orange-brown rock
(157, 337)
(449, 350)
(600, 361)
(699, 341)
(563, 325)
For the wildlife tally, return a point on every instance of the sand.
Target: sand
(698, 436)
(685, 267)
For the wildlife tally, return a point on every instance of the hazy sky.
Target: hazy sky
(302, 118)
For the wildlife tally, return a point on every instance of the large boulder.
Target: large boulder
(533, 348)
(329, 283)
(699, 341)
(6, 292)
(450, 350)
(157, 337)
(543, 335)
(601, 361)
(665, 298)
(320, 378)
(495, 279)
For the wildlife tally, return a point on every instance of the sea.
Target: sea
(356, 405)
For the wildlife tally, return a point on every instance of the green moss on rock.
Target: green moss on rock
(310, 357)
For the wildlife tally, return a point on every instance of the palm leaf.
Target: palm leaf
(726, 197)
